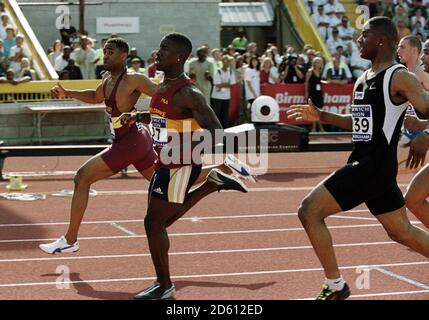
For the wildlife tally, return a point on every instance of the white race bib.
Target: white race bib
(362, 122)
(158, 129)
(318, 87)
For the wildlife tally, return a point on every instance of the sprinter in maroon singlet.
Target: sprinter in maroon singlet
(131, 145)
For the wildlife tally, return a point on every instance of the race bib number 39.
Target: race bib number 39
(158, 129)
(362, 122)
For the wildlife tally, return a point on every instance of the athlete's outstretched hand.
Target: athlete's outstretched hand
(304, 112)
(418, 149)
(128, 118)
(58, 92)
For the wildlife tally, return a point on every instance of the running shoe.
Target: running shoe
(328, 294)
(59, 246)
(155, 292)
(225, 181)
(238, 167)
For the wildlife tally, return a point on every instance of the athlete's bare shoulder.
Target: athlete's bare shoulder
(140, 82)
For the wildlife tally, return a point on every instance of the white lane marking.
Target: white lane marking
(193, 276)
(118, 226)
(380, 294)
(114, 256)
(208, 233)
(401, 278)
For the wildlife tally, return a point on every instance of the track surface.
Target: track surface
(229, 246)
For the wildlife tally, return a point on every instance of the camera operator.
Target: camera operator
(290, 71)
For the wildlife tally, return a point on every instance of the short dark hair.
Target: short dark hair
(120, 44)
(182, 41)
(414, 42)
(385, 26)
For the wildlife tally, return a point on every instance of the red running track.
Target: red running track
(229, 246)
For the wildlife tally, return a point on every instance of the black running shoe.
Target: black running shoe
(328, 294)
(155, 292)
(225, 181)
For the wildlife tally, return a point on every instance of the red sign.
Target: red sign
(337, 98)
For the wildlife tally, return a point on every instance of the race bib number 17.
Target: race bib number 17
(158, 128)
(362, 122)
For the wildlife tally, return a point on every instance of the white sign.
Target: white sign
(118, 25)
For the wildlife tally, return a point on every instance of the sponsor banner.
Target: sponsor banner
(337, 98)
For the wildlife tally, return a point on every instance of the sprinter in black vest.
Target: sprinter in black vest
(381, 96)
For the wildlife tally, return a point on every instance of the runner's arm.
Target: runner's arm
(144, 84)
(408, 86)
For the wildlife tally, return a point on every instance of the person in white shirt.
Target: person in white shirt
(223, 79)
(18, 52)
(334, 41)
(63, 60)
(84, 56)
(345, 31)
(252, 82)
(321, 21)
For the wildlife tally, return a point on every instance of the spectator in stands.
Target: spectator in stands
(3, 61)
(223, 80)
(99, 59)
(334, 41)
(26, 70)
(419, 30)
(132, 55)
(10, 40)
(68, 35)
(321, 21)
(402, 28)
(57, 51)
(401, 14)
(336, 74)
(230, 50)
(418, 5)
(136, 66)
(63, 60)
(269, 73)
(240, 42)
(277, 59)
(2, 9)
(151, 69)
(84, 57)
(73, 71)
(18, 52)
(5, 21)
(418, 17)
(386, 9)
(310, 55)
(216, 59)
(313, 88)
(252, 84)
(252, 49)
(11, 78)
(201, 71)
(290, 71)
(345, 30)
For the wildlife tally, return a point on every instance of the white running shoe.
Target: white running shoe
(59, 246)
(238, 167)
(225, 181)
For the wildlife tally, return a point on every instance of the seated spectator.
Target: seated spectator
(290, 71)
(26, 70)
(418, 29)
(63, 60)
(343, 66)
(401, 14)
(99, 59)
(321, 21)
(136, 66)
(386, 9)
(3, 61)
(418, 17)
(2, 9)
(84, 57)
(336, 74)
(12, 79)
(5, 22)
(345, 31)
(10, 40)
(402, 28)
(73, 71)
(57, 50)
(17, 53)
(133, 54)
(334, 41)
